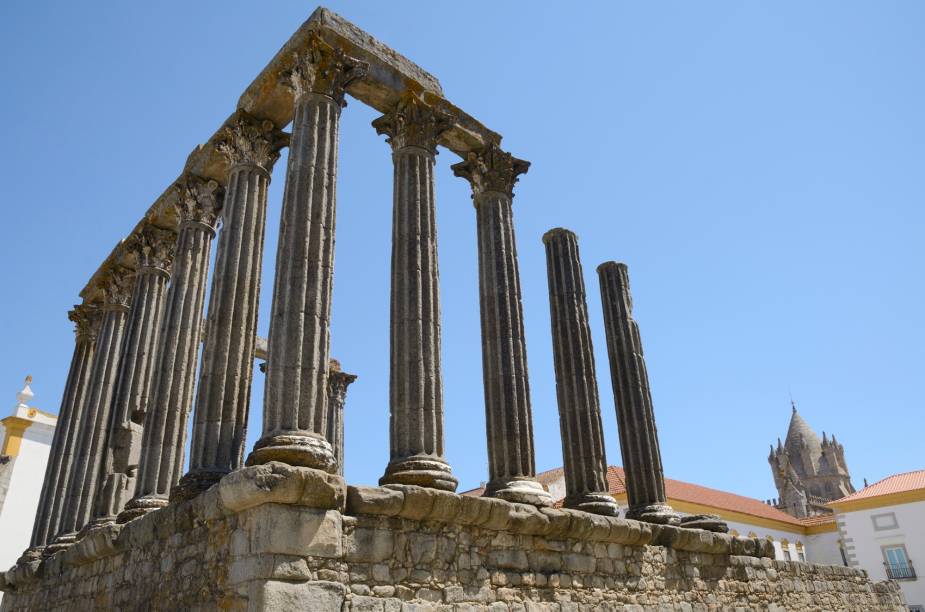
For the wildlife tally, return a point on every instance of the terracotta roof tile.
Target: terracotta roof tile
(897, 483)
(691, 493)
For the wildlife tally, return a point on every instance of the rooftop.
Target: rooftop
(891, 486)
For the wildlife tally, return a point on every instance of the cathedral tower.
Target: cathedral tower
(808, 472)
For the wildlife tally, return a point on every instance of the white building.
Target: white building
(883, 528)
(26, 440)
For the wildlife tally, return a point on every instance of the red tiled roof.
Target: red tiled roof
(820, 519)
(695, 494)
(705, 496)
(897, 483)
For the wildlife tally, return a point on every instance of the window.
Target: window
(884, 521)
(898, 566)
(787, 554)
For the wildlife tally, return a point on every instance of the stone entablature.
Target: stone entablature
(280, 537)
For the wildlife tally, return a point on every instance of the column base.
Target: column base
(595, 503)
(707, 522)
(295, 448)
(195, 482)
(140, 506)
(420, 470)
(96, 524)
(31, 555)
(658, 514)
(61, 542)
(519, 490)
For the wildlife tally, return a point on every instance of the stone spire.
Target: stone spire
(415, 376)
(508, 415)
(585, 461)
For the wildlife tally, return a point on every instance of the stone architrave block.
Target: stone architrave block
(266, 595)
(277, 482)
(293, 530)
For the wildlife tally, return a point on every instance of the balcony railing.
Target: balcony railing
(900, 572)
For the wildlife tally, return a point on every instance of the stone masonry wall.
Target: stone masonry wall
(274, 537)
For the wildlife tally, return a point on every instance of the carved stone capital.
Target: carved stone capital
(324, 70)
(198, 200)
(491, 169)
(154, 248)
(249, 140)
(86, 318)
(117, 289)
(413, 123)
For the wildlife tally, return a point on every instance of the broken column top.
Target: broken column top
(388, 76)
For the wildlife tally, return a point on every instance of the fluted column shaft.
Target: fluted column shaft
(96, 412)
(415, 382)
(61, 456)
(583, 452)
(337, 396)
(220, 417)
(161, 461)
(296, 390)
(642, 459)
(153, 248)
(508, 415)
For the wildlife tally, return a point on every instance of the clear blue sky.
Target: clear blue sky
(759, 166)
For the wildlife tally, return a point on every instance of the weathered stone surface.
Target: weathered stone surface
(296, 391)
(60, 465)
(91, 444)
(287, 556)
(154, 250)
(277, 482)
(508, 415)
(338, 381)
(251, 147)
(161, 460)
(585, 461)
(415, 376)
(642, 458)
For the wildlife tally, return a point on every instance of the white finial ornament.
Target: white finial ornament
(25, 396)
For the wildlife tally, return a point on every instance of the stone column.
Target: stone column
(161, 462)
(295, 394)
(576, 382)
(508, 416)
(96, 411)
(153, 248)
(338, 382)
(251, 147)
(642, 459)
(60, 465)
(415, 381)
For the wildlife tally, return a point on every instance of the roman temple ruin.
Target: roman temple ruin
(275, 527)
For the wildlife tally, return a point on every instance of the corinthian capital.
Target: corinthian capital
(117, 288)
(323, 69)
(413, 123)
(154, 249)
(86, 318)
(491, 169)
(198, 200)
(248, 140)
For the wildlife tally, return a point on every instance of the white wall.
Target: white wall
(793, 538)
(18, 513)
(865, 543)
